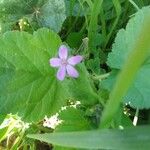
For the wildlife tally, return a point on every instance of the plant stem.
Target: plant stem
(101, 77)
(135, 120)
(134, 4)
(117, 6)
(92, 30)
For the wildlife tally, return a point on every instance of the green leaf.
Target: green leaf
(93, 65)
(62, 148)
(127, 139)
(76, 8)
(74, 39)
(47, 13)
(29, 85)
(73, 120)
(52, 14)
(138, 94)
(3, 133)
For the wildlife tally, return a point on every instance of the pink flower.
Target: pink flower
(65, 64)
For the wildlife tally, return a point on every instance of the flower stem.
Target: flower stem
(135, 120)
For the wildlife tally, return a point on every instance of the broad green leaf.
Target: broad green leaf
(29, 85)
(73, 120)
(138, 94)
(76, 8)
(13, 10)
(52, 14)
(135, 138)
(47, 13)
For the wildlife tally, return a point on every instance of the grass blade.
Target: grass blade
(114, 139)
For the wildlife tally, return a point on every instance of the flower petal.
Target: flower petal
(63, 52)
(61, 73)
(75, 60)
(55, 62)
(72, 72)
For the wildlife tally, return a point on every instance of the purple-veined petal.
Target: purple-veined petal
(61, 73)
(72, 72)
(63, 52)
(55, 62)
(75, 60)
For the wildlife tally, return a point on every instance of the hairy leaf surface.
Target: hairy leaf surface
(138, 95)
(47, 13)
(29, 85)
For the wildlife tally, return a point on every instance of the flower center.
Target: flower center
(64, 62)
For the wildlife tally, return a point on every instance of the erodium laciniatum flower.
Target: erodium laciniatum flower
(65, 64)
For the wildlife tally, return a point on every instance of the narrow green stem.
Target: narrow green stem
(134, 4)
(101, 77)
(117, 6)
(92, 30)
(102, 18)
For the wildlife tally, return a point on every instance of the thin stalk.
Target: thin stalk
(117, 6)
(93, 25)
(101, 77)
(135, 120)
(72, 3)
(134, 4)
(102, 18)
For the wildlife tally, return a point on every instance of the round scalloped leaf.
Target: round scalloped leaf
(52, 14)
(138, 94)
(41, 13)
(29, 86)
